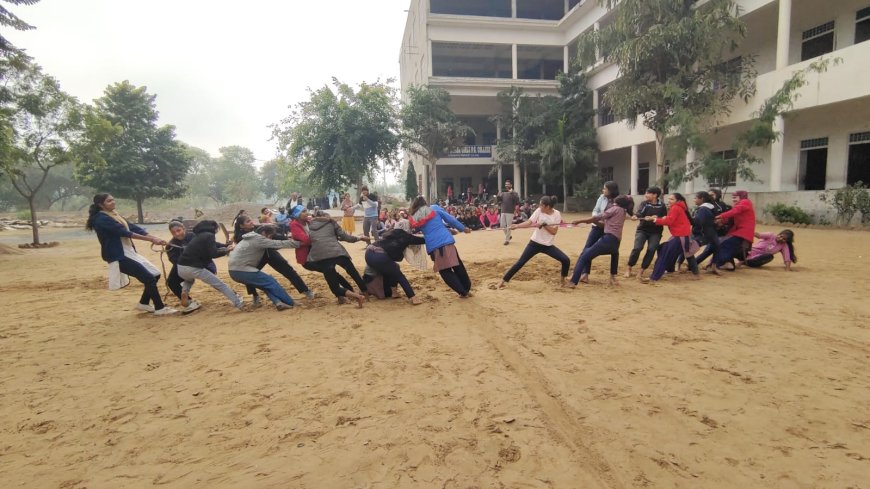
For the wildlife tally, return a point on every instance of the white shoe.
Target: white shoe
(191, 307)
(145, 307)
(166, 311)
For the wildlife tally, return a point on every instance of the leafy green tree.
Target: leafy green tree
(232, 176)
(338, 136)
(41, 127)
(8, 19)
(198, 175)
(675, 75)
(524, 121)
(411, 190)
(430, 128)
(141, 160)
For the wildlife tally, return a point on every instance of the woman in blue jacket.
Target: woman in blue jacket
(116, 235)
(433, 222)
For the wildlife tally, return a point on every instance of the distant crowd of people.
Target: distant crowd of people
(726, 234)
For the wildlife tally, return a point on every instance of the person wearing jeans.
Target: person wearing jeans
(370, 213)
(243, 264)
(613, 220)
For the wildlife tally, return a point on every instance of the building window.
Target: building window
(731, 72)
(813, 164)
(728, 156)
(539, 62)
(642, 177)
(484, 8)
(862, 25)
(606, 173)
(859, 159)
(472, 60)
(541, 9)
(817, 41)
(605, 116)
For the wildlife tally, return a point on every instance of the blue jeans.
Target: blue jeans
(264, 282)
(607, 245)
(595, 234)
(668, 255)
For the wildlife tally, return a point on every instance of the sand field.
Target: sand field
(758, 379)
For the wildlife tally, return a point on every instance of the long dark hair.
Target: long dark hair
(207, 226)
(718, 193)
(612, 189)
(419, 202)
(95, 209)
(705, 197)
(237, 227)
(679, 198)
(789, 241)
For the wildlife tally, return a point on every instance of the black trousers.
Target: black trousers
(337, 284)
(140, 273)
(533, 249)
(280, 264)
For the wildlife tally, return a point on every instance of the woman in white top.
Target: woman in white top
(546, 219)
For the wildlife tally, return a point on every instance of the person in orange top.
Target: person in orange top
(679, 223)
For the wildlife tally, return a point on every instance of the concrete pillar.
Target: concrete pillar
(499, 182)
(518, 184)
(566, 55)
(500, 177)
(596, 27)
(429, 59)
(514, 9)
(426, 190)
(635, 170)
(783, 34)
(514, 60)
(596, 101)
(777, 150)
(435, 181)
(690, 184)
(567, 7)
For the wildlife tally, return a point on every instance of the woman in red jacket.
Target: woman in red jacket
(679, 223)
(740, 236)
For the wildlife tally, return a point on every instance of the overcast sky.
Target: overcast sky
(222, 71)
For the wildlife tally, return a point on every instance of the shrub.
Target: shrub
(846, 201)
(23, 215)
(788, 214)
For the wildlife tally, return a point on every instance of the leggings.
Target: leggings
(135, 269)
(278, 263)
(533, 249)
(607, 245)
(670, 252)
(337, 285)
(392, 274)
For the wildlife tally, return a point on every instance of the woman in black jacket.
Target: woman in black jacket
(382, 256)
(197, 255)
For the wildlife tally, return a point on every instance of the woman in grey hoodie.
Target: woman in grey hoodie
(326, 252)
(244, 259)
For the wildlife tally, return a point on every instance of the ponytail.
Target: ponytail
(95, 209)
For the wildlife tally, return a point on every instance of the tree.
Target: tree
(232, 176)
(411, 190)
(671, 54)
(41, 125)
(8, 19)
(524, 122)
(430, 128)
(270, 178)
(338, 137)
(141, 160)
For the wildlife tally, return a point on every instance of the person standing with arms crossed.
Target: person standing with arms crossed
(508, 200)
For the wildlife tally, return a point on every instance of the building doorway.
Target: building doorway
(859, 159)
(813, 164)
(642, 177)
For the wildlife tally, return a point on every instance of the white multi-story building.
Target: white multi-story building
(476, 48)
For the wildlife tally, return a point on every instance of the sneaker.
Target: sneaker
(166, 311)
(145, 307)
(281, 306)
(310, 294)
(191, 307)
(241, 305)
(256, 301)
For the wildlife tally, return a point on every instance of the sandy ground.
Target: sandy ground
(758, 379)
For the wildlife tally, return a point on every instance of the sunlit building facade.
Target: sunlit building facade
(476, 48)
